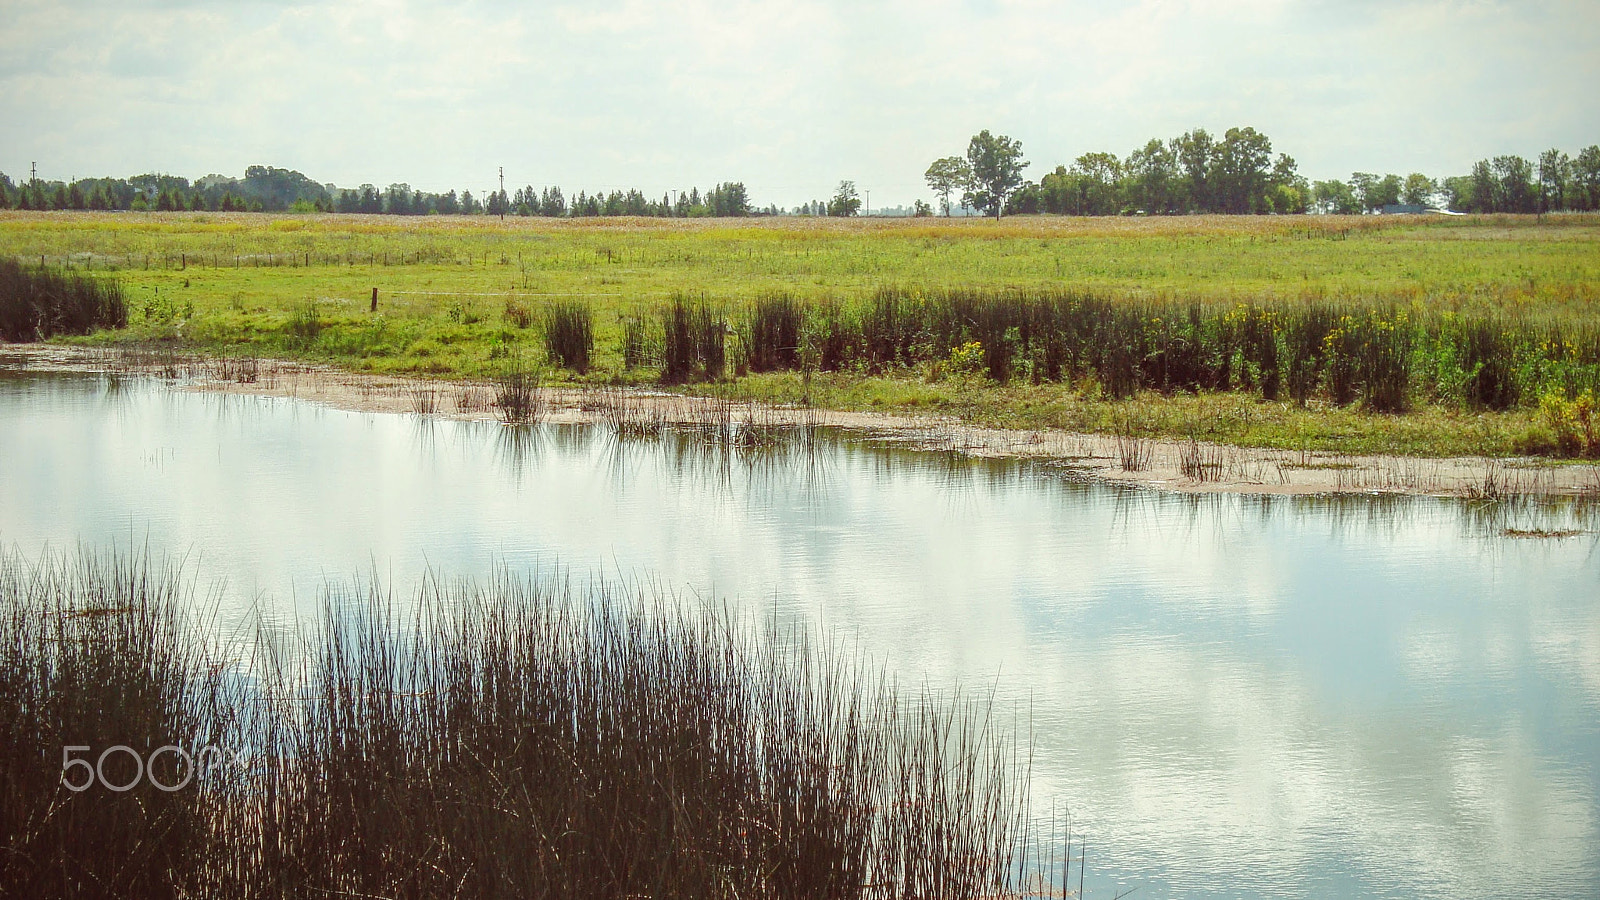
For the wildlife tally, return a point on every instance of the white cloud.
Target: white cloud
(788, 97)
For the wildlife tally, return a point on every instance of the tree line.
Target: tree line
(1193, 173)
(270, 189)
(1238, 174)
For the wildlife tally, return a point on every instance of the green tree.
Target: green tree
(1554, 171)
(1517, 192)
(1419, 190)
(947, 176)
(844, 202)
(1387, 191)
(1586, 177)
(1288, 192)
(1335, 197)
(1151, 174)
(997, 166)
(1099, 175)
(1239, 171)
(1365, 187)
(1193, 153)
(1457, 190)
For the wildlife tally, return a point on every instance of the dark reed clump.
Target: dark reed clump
(1341, 351)
(93, 655)
(517, 395)
(636, 343)
(515, 738)
(569, 334)
(38, 303)
(772, 333)
(695, 344)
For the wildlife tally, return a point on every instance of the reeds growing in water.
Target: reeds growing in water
(514, 738)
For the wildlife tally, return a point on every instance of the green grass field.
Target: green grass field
(458, 297)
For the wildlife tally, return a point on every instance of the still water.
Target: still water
(1235, 696)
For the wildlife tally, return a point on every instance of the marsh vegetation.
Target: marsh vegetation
(1351, 334)
(515, 737)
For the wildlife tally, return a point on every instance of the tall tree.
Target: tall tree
(844, 202)
(1098, 175)
(1419, 190)
(1193, 153)
(1239, 171)
(997, 166)
(1554, 169)
(945, 177)
(1517, 193)
(1586, 177)
(1336, 197)
(1151, 174)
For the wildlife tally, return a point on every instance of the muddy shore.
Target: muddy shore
(1185, 466)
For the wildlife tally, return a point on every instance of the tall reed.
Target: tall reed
(510, 738)
(569, 334)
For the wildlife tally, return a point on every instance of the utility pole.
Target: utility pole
(502, 193)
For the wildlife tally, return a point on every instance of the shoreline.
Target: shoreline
(1162, 464)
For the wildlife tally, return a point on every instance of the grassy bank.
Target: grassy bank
(514, 739)
(1360, 334)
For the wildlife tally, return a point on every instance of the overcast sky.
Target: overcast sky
(788, 97)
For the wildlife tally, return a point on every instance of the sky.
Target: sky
(789, 97)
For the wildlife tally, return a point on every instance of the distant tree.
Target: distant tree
(1419, 190)
(921, 209)
(997, 166)
(1287, 191)
(729, 199)
(1193, 153)
(1238, 171)
(1457, 190)
(844, 202)
(75, 197)
(397, 200)
(1335, 197)
(1097, 177)
(552, 203)
(5, 192)
(1554, 171)
(1517, 193)
(1151, 175)
(947, 176)
(1376, 191)
(58, 197)
(498, 204)
(1387, 191)
(1027, 199)
(1586, 177)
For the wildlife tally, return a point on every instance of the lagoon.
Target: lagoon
(1233, 695)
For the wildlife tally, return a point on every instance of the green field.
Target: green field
(460, 296)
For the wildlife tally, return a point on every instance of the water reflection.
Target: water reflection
(1239, 696)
